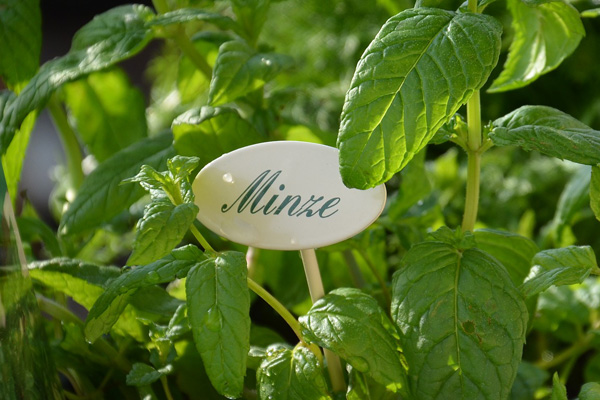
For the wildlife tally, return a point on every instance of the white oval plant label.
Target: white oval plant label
(283, 196)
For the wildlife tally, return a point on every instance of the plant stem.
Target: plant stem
(384, 288)
(315, 287)
(474, 161)
(165, 385)
(200, 238)
(277, 306)
(573, 351)
(188, 48)
(69, 142)
(60, 312)
(472, 6)
(161, 6)
(355, 273)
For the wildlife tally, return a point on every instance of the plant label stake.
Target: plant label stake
(286, 196)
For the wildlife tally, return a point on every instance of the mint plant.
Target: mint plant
(479, 280)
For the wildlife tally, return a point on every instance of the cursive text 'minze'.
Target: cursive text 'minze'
(292, 205)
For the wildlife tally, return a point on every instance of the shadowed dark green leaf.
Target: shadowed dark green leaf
(421, 67)
(33, 229)
(291, 374)
(548, 131)
(566, 266)
(107, 111)
(143, 374)
(101, 197)
(595, 191)
(545, 34)
(20, 41)
(192, 14)
(209, 132)
(464, 339)
(574, 197)
(590, 391)
(108, 39)
(529, 379)
(112, 302)
(513, 251)
(239, 70)
(161, 229)
(218, 309)
(351, 324)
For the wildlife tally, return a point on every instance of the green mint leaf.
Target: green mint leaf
(218, 309)
(101, 197)
(20, 41)
(161, 229)
(513, 251)
(211, 132)
(362, 387)
(295, 374)
(464, 340)
(529, 379)
(559, 391)
(590, 391)
(192, 14)
(151, 180)
(251, 15)
(566, 266)
(421, 67)
(239, 70)
(545, 34)
(155, 300)
(12, 160)
(181, 167)
(108, 39)
(112, 302)
(108, 112)
(456, 238)
(351, 324)
(595, 191)
(85, 283)
(548, 131)
(143, 374)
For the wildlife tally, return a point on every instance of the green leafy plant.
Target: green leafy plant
(479, 280)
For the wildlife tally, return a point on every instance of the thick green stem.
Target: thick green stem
(474, 150)
(69, 142)
(188, 48)
(57, 311)
(277, 306)
(473, 6)
(201, 239)
(165, 385)
(574, 351)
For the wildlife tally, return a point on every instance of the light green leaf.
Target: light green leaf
(559, 391)
(193, 14)
(209, 132)
(513, 251)
(465, 339)
(593, 13)
(101, 197)
(545, 34)
(85, 282)
(529, 379)
(161, 229)
(351, 324)
(251, 15)
(573, 198)
(362, 387)
(143, 374)
(108, 39)
(595, 191)
(296, 374)
(239, 70)
(566, 266)
(107, 111)
(12, 160)
(20, 41)
(421, 67)
(112, 302)
(218, 309)
(548, 131)
(590, 391)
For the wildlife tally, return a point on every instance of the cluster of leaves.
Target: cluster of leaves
(414, 309)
